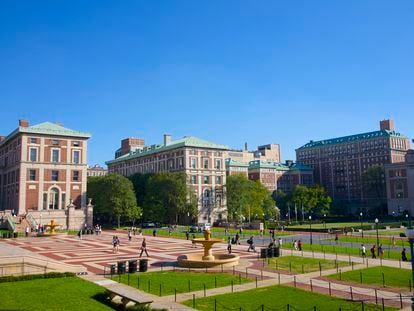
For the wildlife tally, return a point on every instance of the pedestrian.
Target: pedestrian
(129, 235)
(336, 238)
(280, 242)
(380, 252)
(187, 235)
(114, 243)
(80, 234)
(295, 245)
(154, 232)
(143, 248)
(229, 245)
(300, 245)
(363, 251)
(194, 243)
(27, 231)
(252, 247)
(373, 252)
(237, 239)
(403, 255)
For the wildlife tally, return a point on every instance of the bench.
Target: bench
(128, 296)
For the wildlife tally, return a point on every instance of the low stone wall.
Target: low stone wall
(68, 219)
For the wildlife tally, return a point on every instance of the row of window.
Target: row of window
(54, 142)
(206, 179)
(55, 155)
(54, 175)
(206, 163)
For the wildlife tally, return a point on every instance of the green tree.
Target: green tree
(237, 187)
(373, 181)
(113, 196)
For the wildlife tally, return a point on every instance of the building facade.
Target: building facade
(43, 171)
(96, 170)
(265, 153)
(400, 186)
(339, 163)
(202, 161)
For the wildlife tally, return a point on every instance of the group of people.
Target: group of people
(297, 245)
(373, 251)
(116, 242)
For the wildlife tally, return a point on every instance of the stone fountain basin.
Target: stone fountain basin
(196, 261)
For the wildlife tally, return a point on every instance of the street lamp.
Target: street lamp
(310, 227)
(362, 229)
(376, 227)
(324, 221)
(410, 236)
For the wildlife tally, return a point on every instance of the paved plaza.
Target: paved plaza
(95, 253)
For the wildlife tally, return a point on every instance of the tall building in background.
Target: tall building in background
(339, 163)
(43, 171)
(201, 160)
(96, 170)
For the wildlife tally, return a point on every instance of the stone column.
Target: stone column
(71, 221)
(89, 213)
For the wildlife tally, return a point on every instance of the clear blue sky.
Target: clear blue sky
(227, 71)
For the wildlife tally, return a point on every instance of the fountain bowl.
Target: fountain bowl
(196, 261)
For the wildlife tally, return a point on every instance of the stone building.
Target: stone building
(201, 160)
(96, 170)
(339, 163)
(43, 173)
(400, 186)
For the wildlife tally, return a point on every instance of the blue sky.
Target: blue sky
(228, 71)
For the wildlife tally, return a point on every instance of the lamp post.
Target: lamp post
(410, 236)
(324, 221)
(310, 227)
(408, 220)
(376, 227)
(362, 229)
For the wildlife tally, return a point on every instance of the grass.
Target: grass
(335, 249)
(69, 293)
(371, 240)
(332, 225)
(392, 232)
(393, 277)
(277, 298)
(303, 264)
(182, 282)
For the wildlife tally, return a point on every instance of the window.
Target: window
(54, 198)
(218, 179)
(76, 143)
(33, 140)
(33, 154)
(205, 163)
(55, 155)
(194, 163)
(206, 179)
(55, 142)
(32, 175)
(218, 164)
(76, 156)
(193, 179)
(75, 176)
(55, 175)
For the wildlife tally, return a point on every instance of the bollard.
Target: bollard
(215, 282)
(352, 265)
(340, 274)
(360, 277)
(246, 273)
(409, 284)
(287, 307)
(350, 290)
(383, 306)
(303, 270)
(278, 278)
(204, 290)
(194, 301)
(320, 269)
(175, 294)
(256, 281)
(383, 280)
(311, 287)
(160, 290)
(330, 290)
(362, 306)
(261, 274)
(401, 303)
(376, 296)
(294, 280)
(231, 285)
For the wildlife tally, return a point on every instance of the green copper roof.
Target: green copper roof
(47, 128)
(352, 138)
(279, 166)
(231, 162)
(188, 141)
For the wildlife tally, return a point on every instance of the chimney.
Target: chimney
(245, 146)
(2, 138)
(23, 123)
(167, 139)
(387, 125)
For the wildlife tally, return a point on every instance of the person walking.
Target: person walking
(80, 234)
(363, 251)
(194, 243)
(252, 247)
(300, 245)
(373, 252)
(380, 252)
(237, 239)
(144, 248)
(229, 245)
(27, 231)
(129, 235)
(114, 244)
(403, 255)
(187, 235)
(295, 245)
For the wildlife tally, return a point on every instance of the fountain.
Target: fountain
(52, 226)
(207, 259)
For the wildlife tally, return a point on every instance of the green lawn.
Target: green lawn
(392, 232)
(277, 298)
(393, 277)
(303, 264)
(332, 225)
(354, 251)
(70, 293)
(181, 281)
(371, 240)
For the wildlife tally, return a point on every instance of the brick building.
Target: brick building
(43, 171)
(400, 186)
(201, 160)
(339, 163)
(96, 170)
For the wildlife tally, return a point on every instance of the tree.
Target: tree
(113, 196)
(237, 187)
(373, 181)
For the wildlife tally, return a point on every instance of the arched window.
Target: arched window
(54, 198)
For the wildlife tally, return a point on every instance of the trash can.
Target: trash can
(121, 267)
(263, 253)
(276, 251)
(143, 265)
(113, 269)
(15, 234)
(132, 266)
(270, 252)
